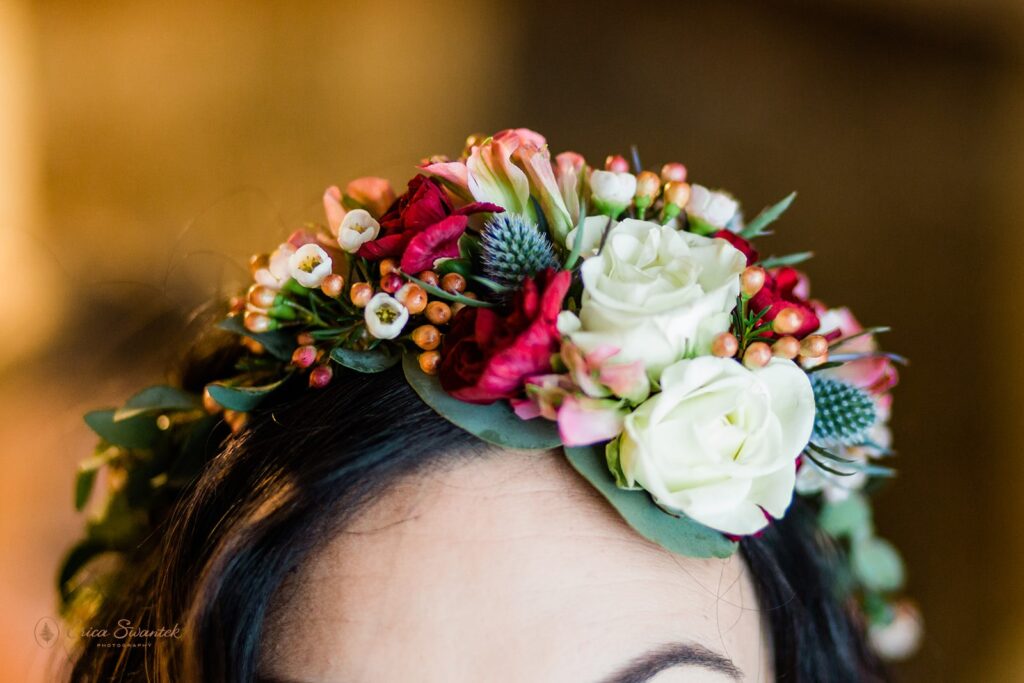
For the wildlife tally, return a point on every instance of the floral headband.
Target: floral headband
(537, 303)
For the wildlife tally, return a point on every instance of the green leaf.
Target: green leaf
(278, 343)
(242, 399)
(846, 518)
(787, 260)
(495, 423)
(377, 360)
(77, 557)
(876, 564)
(577, 243)
(157, 399)
(134, 432)
(766, 218)
(680, 535)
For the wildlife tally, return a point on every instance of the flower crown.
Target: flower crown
(537, 303)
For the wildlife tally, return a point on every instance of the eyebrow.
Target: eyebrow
(651, 663)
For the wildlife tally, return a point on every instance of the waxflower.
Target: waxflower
(277, 271)
(708, 210)
(357, 228)
(309, 265)
(612, 192)
(719, 442)
(385, 316)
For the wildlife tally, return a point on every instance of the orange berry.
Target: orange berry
(438, 312)
(814, 346)
(261, 297)
(361, 293)
(429, 360)
(413, 297)
(333, 285)
(453, 283)
(427, 337)
(258, 262)
(387, 266)
(430, 277)
(757, 355)
(677, 194)
(752, 280)
(725, 345)
(391, 283)
(788, 320)
(786, 347)
(258, 323)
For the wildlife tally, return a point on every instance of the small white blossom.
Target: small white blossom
(385, 316)
(358, 228)
(309, 265)
(277, 271)
(612, 192)
(714, 208)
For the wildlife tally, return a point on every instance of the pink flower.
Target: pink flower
(375, 194)
(877, 374)
(583, 420)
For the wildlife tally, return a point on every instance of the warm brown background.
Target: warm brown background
(146, 147)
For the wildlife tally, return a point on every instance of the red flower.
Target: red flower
(780, 292)
(486, 357)
(743, 245)
(421, 226)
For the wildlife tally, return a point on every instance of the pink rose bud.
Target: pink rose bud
(673, 173)
(616, 163)
(304, 356)
(320, 376)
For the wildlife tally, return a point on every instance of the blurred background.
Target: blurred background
(147, 147)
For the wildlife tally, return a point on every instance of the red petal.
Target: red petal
(440, 240)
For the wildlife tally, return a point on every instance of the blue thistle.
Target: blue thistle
(514, 249)
(843, 414)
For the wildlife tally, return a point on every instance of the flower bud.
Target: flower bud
(387, 266)
(360, 293)
(304, 356)
(413, 297)
(647, 187)
(788, 320)
(757, 355)
(427, 337)
(725, 345)
(616, 163)
(429, 360)
(385, 317)
(320, 376)
(258, 262)
(304, 339)
(453, 283)
(677, 194)
(787, 347)
(751, 280)
(391, 282)
(333, 285)
(259, 323)
(438, 312)
(814, 346)
(262, 297)
(430, 277)
(673, 173)
(612, 192)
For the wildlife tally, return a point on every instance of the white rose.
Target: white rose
(714, 208)
(356, 229)
(656, 294)
(612, 192)
(309, 265)
(719, 442)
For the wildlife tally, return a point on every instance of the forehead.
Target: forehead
(508, 567)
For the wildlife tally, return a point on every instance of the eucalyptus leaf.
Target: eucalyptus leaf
(876, 564)
(84, 481)
(766, 217)
(76, 558)
(278, 343)
(156, 399)
(376, 360)
(242, 399)
(850, 517)
(680, 535)
(787, 260)
(134, 432)
(442, 294)
(495, 423)
(577, 243)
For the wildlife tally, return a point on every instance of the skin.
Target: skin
(509, 568)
